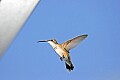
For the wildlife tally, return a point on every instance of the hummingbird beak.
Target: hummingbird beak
(43, 41)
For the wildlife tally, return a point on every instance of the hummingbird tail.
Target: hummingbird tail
(69, 67)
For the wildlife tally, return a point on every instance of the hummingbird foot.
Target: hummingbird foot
(61, 58)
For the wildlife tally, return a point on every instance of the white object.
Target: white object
(13, 14)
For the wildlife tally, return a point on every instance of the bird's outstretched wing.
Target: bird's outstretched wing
(73, 42)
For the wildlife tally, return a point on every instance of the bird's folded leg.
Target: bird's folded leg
(61, 58)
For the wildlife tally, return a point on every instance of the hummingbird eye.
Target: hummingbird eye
(52, 40)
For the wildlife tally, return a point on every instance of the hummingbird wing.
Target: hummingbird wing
(73, 42)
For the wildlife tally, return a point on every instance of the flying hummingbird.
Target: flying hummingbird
(62, 50)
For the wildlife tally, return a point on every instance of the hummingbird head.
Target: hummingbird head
(51, 40)
(54, 41)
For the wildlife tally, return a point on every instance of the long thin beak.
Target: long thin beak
(43, 41)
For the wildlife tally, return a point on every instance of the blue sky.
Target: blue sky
(96, 58)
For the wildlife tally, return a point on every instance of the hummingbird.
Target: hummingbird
(62, 50)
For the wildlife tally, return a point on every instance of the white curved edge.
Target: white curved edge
(13, 14)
